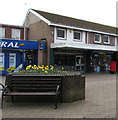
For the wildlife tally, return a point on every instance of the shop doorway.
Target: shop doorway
(79, 63)
(31, 57)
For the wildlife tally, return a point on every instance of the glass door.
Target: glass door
(79, 63)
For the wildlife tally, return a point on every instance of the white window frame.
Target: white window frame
(78, 40)
(108, 40)
(3, 32)
(14, 35)
(99, 39)
(65, 33)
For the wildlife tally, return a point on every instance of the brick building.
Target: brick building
(72, 43)
(11, 32)
(14, 50)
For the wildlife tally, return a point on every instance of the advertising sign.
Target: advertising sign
(18, 44)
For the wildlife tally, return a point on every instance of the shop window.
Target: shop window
(106, 40)
(15, 34)
(2, 32)
(97, 38)
(12, 61)
(77, 36)
(61, 33)
(2, 61)
(64, 60)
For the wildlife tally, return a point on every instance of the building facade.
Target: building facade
(72, 43)
(14, 50)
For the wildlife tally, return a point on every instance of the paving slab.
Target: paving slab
(100, 102)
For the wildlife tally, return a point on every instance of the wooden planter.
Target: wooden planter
(72, 87)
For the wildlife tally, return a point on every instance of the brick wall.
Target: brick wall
(73, 88)
(8, 31)
(91, 40)
(38, 31)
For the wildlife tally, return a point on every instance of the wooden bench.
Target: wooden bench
(25, 85)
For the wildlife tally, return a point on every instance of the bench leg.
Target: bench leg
(2, 101)
(56, 102)
(12, 98)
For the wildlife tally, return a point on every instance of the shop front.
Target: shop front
(100, 61)
(83, 60)
(16, 52)
(70, 59)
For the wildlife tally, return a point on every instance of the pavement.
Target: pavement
(100, 102)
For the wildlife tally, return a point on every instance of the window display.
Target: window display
(1, 61)
(100, 62)
(12, 61)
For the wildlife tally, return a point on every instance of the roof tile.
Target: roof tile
(64, 20)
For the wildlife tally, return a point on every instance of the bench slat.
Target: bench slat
(30, 85)
(51, 79)
(29, 93)
(35, 82)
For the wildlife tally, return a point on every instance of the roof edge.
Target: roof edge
(83, 29)
(36, 14)
(11, 25)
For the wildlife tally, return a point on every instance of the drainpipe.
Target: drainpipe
(24, 32)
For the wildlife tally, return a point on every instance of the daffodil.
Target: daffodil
(47, 66)
(62, 68)
(51, 68)
(45, 71)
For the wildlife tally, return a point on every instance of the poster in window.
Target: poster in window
(1, 61)
(12, 61)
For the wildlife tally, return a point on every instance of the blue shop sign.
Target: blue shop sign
(18, 44)
(42, 45)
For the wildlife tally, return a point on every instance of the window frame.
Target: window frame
(3, 32)
(99, 38)
(77, 40)
(65, 34)
(13, 33)
(108, 40)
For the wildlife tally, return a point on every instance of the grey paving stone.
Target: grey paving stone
(100, 102)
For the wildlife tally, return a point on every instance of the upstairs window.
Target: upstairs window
(77, 36)
(106, 40)
(15, 34)
(61, 33)
(2, 32)
(97, 38)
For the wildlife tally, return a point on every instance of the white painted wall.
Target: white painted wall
(69, 37)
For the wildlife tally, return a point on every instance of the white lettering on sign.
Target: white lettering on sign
(10, 44)
(3, 44)
(16, 45)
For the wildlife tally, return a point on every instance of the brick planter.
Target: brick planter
(73, 85)
(73, 88)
